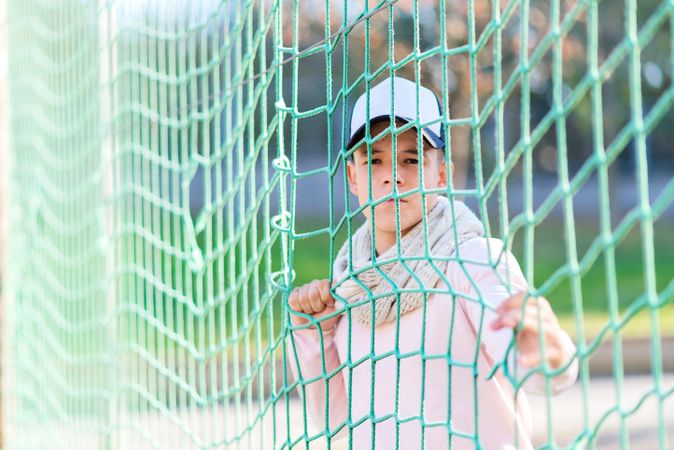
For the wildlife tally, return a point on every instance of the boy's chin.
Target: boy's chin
(386, 221)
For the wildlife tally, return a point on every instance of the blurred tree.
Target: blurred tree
(656, 63)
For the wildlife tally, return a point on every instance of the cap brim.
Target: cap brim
(432, 138)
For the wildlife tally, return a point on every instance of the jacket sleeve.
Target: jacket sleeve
(316, 367)
(491, 275)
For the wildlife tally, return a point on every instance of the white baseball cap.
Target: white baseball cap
(404, 101)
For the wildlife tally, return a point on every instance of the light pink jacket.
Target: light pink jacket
(380, 396)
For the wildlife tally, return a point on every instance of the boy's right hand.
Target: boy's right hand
(314, 299)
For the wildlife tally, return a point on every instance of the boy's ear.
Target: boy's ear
(442, 172)
(351, 174)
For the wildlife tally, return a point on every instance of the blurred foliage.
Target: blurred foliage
(656, 64)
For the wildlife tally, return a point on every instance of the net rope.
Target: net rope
(159, 153)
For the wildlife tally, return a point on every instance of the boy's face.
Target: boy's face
(407, 178)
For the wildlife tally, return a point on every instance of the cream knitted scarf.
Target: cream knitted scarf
(441, 243)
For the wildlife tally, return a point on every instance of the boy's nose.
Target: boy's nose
(399, 180)
(389, 176)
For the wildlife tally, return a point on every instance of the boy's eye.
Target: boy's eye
(412, 160)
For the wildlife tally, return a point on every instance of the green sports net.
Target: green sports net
(176, 169)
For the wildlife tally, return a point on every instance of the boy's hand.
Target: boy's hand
(315, 300)
(510, 316)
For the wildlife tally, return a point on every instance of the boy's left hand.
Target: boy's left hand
(526, 329)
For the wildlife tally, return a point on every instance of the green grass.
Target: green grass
(311, 261)
(639, 326)
(258, 319)
(235, 329)
(551, 253)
